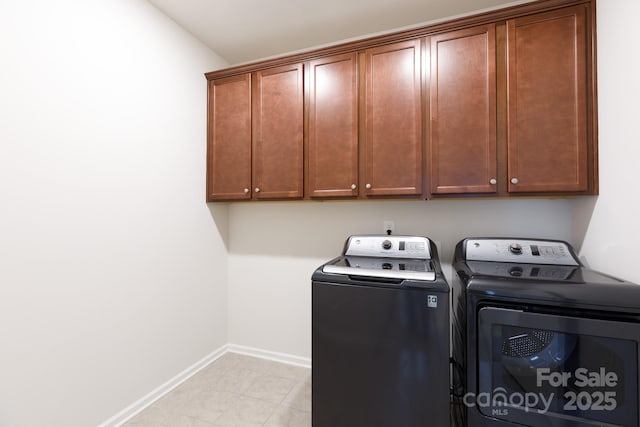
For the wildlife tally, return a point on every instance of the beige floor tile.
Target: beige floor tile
(245, 412)
(209, 405)
(235, 391)
(149, 417)
(289, 417)
(270, 388)
(204, 380)
(236, 380)
(158, 417)
(185, 421)
(275, 368)
(230, 360)
(300, 396)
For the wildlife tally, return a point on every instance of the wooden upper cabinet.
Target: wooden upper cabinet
(229, 139)
(333, 126)
(278, 133)
(502, 103)
(393, 120)
(547, 106)
(463, 112)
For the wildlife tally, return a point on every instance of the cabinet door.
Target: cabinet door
(229, 139)
(547, 109)
(463, 112)
(333, 126)
(277, 133)
(393, 122)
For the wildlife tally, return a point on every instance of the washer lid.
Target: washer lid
(382, 268)
(522, 251)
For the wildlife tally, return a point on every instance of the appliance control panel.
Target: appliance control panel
(388, 246)
(520, 251)
(524, 271)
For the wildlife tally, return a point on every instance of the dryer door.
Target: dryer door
(549, 370)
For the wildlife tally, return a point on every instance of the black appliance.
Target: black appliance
(380, 335)
(541, 340)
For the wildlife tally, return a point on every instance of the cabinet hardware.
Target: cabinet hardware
(514, 180)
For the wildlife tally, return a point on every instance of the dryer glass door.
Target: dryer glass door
(546, 369)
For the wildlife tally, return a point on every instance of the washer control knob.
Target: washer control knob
(515, 249)
(387, 244)
(516, 271)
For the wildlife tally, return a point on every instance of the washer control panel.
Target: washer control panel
(520, 251)
(388, 246)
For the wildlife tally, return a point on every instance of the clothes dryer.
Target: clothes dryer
(541, 340)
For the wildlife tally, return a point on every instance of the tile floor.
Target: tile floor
(235, 390)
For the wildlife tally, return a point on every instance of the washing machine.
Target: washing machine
(541, 340)
(380, 335)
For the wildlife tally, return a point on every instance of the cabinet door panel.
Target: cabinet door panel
(229, 139)
(278, 127)
(333, 126)
(393, 121)
(547, 83)
(463, 112)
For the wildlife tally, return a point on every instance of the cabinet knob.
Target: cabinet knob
(246, 190)
(353, 186)
(368, 186)
(257, 190)
(493, 181)
(514, 180)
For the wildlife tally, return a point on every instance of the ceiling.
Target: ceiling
(246, 30)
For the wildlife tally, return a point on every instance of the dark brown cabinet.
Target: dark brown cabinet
(393, 141)
(511, 108)
(333, 126)
(255, 142)
(277, 133)
(229, 139)
(498, 104)
(391, 145)
(548, 141)
(462, 111)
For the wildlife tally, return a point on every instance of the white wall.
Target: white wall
(275, 247)
(112, 267)
(610, 223)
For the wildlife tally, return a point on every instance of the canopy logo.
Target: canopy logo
(595, 393)
(499, 401)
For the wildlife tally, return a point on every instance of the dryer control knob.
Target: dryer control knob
(516, 271)
(515, 249)
(386, 244)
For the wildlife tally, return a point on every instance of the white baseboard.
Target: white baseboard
(305, 362)
(141, 404)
